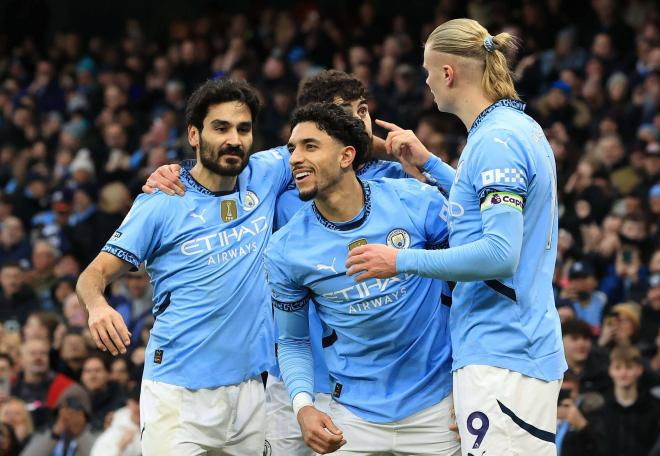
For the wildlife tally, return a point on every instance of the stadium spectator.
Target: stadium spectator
(68, 102)
(106, 396)
(581, 293)
(586, 363)
(15, 413)
(630, 417)
(122, 437)
(578, 429)
(72, 354)
(17, 299)
(36, 384)
(13, 244)
(70, 433)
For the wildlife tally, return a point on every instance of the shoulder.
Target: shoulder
(270, 156)
(285, 240)
(407, 189)
(381, 168)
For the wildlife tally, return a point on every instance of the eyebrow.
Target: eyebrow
(225, 123)
(303, 141)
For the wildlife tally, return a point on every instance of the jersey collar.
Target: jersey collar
(366, 190)
(190, 181)
(507, 102)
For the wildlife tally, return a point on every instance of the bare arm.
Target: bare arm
(106, 325)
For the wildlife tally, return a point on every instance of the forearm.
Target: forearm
(95, 278)
(90, 287)
(297, 365)
(496, 255)
(294, 349)
(440, 171)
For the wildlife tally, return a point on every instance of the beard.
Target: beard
(308, 194)
(211, 159)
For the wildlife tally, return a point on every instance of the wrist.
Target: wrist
(300, 401)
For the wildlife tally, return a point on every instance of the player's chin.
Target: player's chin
(307, 194)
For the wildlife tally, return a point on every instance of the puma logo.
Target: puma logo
(325, 267)
(500, 141)
(199, 216)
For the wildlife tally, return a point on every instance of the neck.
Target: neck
(625, 395)
(575, 366)
(344, 202)
(470, 104)
(212, 181)
(31, 377)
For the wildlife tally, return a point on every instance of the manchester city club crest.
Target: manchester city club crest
(398, 238)
(251, 201)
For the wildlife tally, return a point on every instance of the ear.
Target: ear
(193, 136)
(448, 75)
(347, 156)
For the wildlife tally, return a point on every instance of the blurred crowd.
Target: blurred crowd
(85, 119)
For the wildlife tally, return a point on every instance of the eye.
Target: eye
(310, 147)
(362, 111)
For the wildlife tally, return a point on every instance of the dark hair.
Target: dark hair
(218, 91)
(338, 124)
(101, 357)
(11, 264)
(328, 85)
(8, 358)
(576, 327)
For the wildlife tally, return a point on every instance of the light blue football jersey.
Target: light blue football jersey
(289, 203)
(508, 322)
(389, 352)
(203, 252)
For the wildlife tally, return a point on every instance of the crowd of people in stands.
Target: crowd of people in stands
(84, 120)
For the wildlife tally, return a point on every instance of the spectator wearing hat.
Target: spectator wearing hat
(14, 246)
(32, 198)
(581, 292)
(70, 434)
(17, 299)
(587, 363)
(621, 325)
(53, 225)
(122, 437)
(82, 168)
(558, 105)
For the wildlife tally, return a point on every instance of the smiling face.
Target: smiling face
(224, 142)
(318, 161)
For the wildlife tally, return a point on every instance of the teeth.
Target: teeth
(303, 175)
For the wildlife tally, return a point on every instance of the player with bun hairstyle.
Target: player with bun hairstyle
(505, 330)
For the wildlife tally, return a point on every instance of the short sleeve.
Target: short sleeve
(426, 202)
(277, 160)
(287, 295)
(136, 239)
(500, 164)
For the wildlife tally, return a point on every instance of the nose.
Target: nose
(296, 158)
(233, 138)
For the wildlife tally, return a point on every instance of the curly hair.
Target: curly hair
(326, 86)
(218, 91)
(338, 124)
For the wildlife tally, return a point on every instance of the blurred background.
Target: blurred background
(92, 96)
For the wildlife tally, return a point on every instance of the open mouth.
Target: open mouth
(300, 175)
